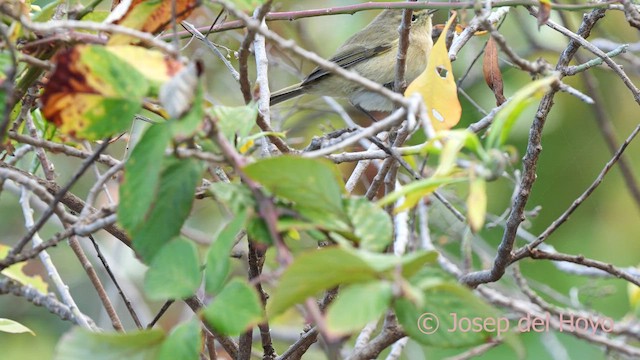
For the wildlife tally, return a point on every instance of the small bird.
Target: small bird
(371, 52)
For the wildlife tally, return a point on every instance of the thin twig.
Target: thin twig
(352, 9)
(167, 304)
(52, 271)
(193, 30)
(49, 302)
(52, 207)
(112, 276)
(530, 161)
(565, 216)
(227, 343)
(53, 26)
(608, 133)
(95, 281)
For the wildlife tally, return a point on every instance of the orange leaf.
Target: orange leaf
(151, 17)
(438, 87)
(491, 71)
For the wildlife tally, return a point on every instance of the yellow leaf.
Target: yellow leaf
(476, 203)
(294, 234)
(415, 191)
(633, 292)
(153, 65)
(438, 87)
(15, 272)
(453, 141)
(246, 146)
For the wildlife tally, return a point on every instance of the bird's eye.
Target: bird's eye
(414, 17)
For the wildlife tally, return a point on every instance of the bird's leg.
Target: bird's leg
(373, 118)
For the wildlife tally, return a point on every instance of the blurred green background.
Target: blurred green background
(605, 227)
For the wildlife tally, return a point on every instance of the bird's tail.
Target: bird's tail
(286, 94)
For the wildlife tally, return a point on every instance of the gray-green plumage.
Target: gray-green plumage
(372, 53)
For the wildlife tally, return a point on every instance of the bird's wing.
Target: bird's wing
(346, 59)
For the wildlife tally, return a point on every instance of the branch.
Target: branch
(227, 343)
(608, 133)
(565, 216)
(580, 39)
(394, 119)
(92, 224)
(388, 336)
(534, 147)
(52, 271)
(243, 56)
(352, 9)
(400, 83)
(54, 26)
(56, 199)
(49, 302)
(55, 147)
(266, 207)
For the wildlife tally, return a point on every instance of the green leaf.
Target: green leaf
(184, 343)
(315, 271)
(5, 65)
(449, 303)
(313, 185)
(371, 225)
(235, 309)
(92, 93)
(473, 143)
(235, 196)
(387, 263)
(236, 121)
(318, 270)
(47, 11)
(506, 118)
(454, 142)
(218, 257)
(173, 202)
(105, 116)
(358, 305)
(142, 176)
(258, 230)
(174, 272)
(81, 344)
(95, 15)
(96, 90)
(118, 78)
(415, 191)
(13, 327)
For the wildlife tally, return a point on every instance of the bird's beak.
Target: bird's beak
(430, 12)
